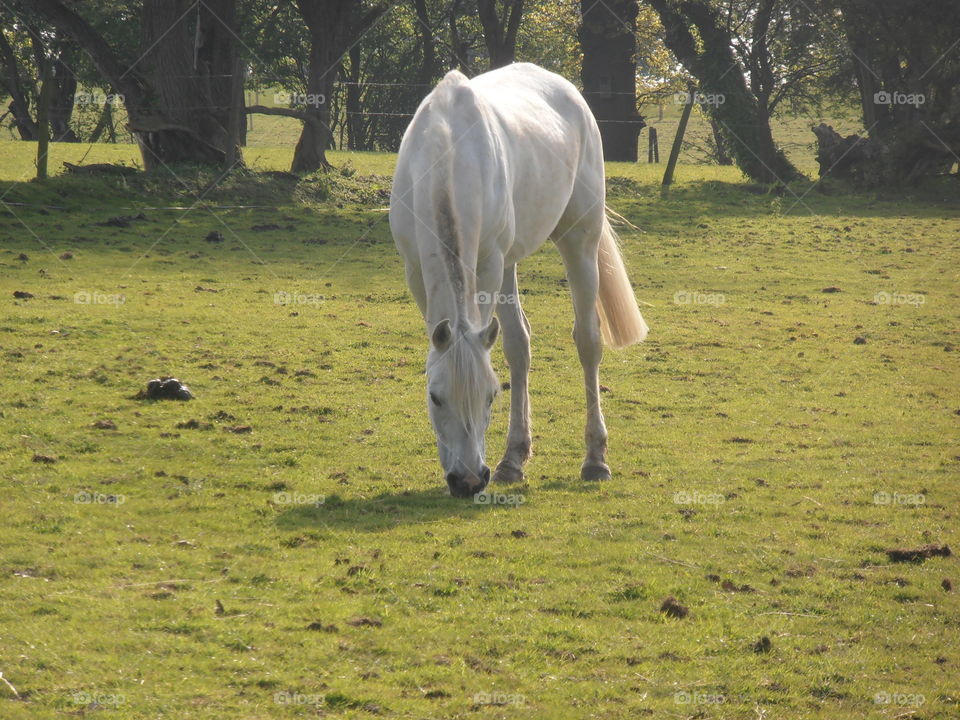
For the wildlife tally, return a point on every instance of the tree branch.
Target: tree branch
(284, 112)
(70, 23)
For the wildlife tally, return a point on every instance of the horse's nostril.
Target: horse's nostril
(452, 479)
(485, 474)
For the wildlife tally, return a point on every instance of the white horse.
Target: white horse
(488, 170)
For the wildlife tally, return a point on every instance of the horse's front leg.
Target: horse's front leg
(516, 348)
(580, 259)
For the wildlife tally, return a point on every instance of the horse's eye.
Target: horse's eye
(435, 400)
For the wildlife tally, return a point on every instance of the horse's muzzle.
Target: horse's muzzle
(468, 485)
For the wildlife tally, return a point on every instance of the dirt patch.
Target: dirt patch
(121, 221)
(193, 424)
(672, 608)
(918, 554)
(317, 626)
(363, 621)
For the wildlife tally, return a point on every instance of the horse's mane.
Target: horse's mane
(469, 368)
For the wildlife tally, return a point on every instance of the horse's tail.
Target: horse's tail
(620, 320)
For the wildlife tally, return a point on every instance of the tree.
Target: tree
(17, 86)
(500, 29)
(608, 39)
(28, 53)
(548, 35)
(429, 67)
(702, 39)
(333, 26)
(462, 38)
(178, 89)
(906, 64)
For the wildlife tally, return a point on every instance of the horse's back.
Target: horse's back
(550, 145)
(516, 140)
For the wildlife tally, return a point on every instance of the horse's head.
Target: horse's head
(461, 387)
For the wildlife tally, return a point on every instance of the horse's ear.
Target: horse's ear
(488, 336)
(441, 335)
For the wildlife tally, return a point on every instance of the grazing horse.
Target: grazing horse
(488, 170)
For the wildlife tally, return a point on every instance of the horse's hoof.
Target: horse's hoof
(594, 473)
(507, 474)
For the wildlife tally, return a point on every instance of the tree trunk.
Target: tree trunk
(174, 93)
(728, 99)
(721, 152)
(609, 74)
(500, 35)
(844, 157)
(310, 153)
(222, 73)
(64, 93)
(458, 46)
(242, 107)
(429, 68)
(904, 58)
(190, 70)
(333, 30)
(19, 99)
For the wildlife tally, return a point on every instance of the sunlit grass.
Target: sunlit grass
(752, 439)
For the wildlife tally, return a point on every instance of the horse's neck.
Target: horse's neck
(451, 294)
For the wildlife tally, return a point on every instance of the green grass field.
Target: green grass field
(283, 546)
(270, 137)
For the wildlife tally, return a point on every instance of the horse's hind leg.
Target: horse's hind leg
(578, 243)
(516, 348)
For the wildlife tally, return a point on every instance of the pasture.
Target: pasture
(283, 545)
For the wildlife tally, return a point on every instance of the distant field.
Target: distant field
(267, 133)
(283, 545)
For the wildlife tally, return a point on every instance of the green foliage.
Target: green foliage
(548, 36)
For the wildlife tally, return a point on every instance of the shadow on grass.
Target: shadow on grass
(934, 197)
(389, 510)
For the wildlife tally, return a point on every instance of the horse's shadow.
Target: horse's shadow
(409, 507)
